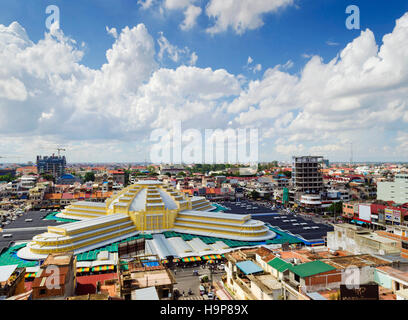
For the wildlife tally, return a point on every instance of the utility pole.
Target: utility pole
(211, 276)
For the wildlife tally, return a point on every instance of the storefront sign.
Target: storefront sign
(359, 292)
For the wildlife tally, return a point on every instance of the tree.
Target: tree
(254, 194)
(127, 174)
(47, 176)
(89, 176)
(7, 177)
(336, 208)
(288, 174)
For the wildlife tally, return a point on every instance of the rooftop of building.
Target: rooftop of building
(311, 268)
(249, 267)
(395, 273)
(59, 259)
(359, 261)
(99, 296)
(150, 278)
(377, 238)
(240, 255)
(149, 293)
(265, 254)
(6, 272)
(266, 282)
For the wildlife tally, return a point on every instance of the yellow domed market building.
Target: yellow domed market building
(149, 206)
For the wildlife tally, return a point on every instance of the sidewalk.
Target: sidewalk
(221, 292)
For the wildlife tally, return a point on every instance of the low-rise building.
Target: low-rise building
(56, 278)
(11, 281)
(359, 240)
(143, 272)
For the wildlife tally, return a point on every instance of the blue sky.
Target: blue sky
(286, 35)
(290, 35)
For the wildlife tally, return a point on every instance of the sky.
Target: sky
(110, 73)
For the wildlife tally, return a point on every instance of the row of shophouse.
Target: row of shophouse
(315, 274)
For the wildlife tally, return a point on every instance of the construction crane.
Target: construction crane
(60, 149)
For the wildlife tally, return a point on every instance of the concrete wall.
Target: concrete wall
(260, 295)
(382, 279)
(331, 280)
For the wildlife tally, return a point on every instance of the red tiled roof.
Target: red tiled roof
(53, 196)
(116, 172)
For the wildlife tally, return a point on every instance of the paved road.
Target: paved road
(315, 219)
(24, 229)
(186, 280)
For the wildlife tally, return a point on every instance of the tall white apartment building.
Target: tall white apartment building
(396, 190)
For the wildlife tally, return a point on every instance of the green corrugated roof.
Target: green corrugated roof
(311, 268)
(279, 264)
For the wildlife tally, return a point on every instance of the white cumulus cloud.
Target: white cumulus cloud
(241, 15)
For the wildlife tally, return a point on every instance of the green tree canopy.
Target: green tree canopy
(47, 176)
(7, 177)
(336, 208)
(89, 176)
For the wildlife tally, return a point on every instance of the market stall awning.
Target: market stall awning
(103, 268)
(191, 259)
(212, 257)
(30, 275)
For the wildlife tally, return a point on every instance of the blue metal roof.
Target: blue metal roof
(67, 176)
(358, 222)
(249, 267)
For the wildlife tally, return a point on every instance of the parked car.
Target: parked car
(202, 290)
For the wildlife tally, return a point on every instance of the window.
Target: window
(43, 291)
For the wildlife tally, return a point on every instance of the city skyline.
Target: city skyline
(115, 71)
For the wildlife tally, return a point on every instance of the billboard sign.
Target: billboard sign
(389, 214)
(397, 216)
(359, 292)
(364, 212)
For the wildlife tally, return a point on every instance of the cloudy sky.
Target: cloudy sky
(116, 70)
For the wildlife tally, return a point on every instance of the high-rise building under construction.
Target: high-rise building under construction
(307, 175)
